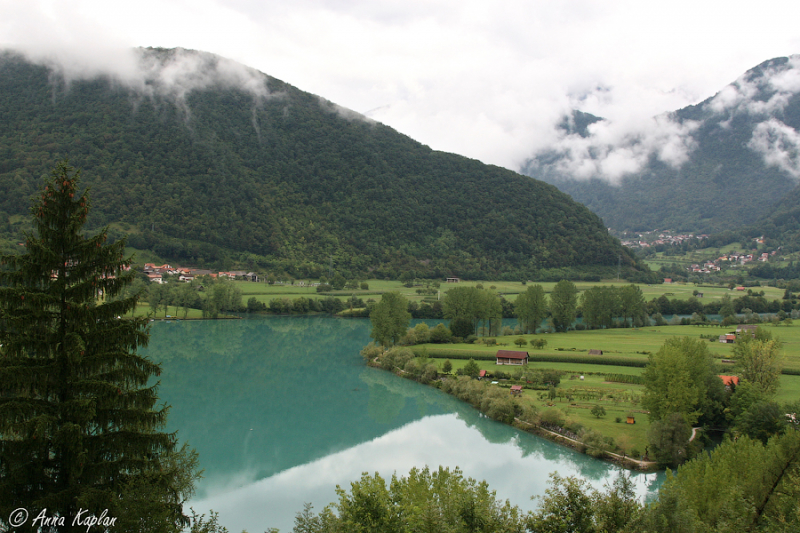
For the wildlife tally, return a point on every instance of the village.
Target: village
(155, 273)
(731, 259)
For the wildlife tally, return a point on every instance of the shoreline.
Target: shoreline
(568, 442)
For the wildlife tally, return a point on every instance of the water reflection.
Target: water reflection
(282, 410)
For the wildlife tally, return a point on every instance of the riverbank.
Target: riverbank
(522, 411)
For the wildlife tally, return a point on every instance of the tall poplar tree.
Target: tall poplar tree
(79, 425)
(564, 304)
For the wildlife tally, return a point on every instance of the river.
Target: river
(282, 409)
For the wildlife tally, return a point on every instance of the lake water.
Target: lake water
(282, 409)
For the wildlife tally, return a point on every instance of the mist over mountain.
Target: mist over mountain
(717, 165)
(204, 160)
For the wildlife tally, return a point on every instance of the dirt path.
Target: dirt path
(643, 465)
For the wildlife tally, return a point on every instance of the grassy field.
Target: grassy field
(629, 343)
(614, 397)
(618, 399)
(508, 289)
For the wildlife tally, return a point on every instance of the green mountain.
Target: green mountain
(743, 157)
(206, 161)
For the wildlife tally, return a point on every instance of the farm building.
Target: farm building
(509, 357)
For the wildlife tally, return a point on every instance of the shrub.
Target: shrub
(447, 366)
(371, 351)
(440, 334)
(552, 416)
(596, 444)
(598, 411)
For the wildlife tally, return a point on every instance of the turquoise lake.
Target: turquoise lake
(282, 409)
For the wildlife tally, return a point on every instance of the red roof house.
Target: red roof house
(730, 381)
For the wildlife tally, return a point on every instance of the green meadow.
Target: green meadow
(577, 396)
(508, 289)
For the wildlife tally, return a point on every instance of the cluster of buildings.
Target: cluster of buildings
(733, 258)
(156, 273)
(646, 239)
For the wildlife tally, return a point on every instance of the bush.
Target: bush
(596, 444)
(440, 334)
(371, 351)
(552, 416)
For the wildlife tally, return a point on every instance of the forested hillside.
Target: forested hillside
(742, 158)
(227, 164)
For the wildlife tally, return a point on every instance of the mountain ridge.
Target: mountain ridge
(741, 159)
(203, 165)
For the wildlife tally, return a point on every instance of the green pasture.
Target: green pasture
(628, 436)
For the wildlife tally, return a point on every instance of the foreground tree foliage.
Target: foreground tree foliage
(742, 485)
(442, 500)
(681, 378)
(79, 426)
(759, 361)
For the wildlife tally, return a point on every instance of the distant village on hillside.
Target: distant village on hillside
(156, 273)
(654, 238)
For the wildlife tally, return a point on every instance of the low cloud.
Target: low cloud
(779, 144)
(343, 112)
(610, 151)
(764, 94)
(155, 72)
(491, 82)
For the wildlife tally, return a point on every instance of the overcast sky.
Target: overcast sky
(487, 80)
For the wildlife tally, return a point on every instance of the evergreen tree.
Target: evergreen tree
(79, 428)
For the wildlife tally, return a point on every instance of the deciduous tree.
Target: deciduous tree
(389, 318)
(531, 308)
(563, 304)
(680, 378)
(759, 362)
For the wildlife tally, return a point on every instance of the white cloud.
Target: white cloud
(489, 81)
(612, 150)
(779, 144)
(781, 82)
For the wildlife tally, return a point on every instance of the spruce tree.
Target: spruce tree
(79, 425)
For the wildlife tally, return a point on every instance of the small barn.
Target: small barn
(510, 357)
(595, 352)
(746, 329)
(516, 390)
